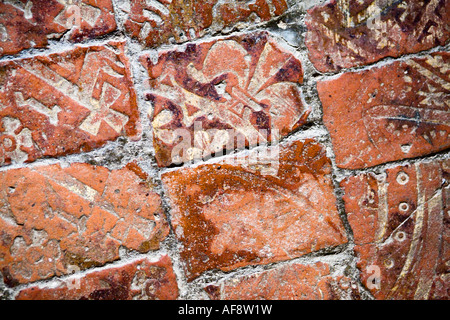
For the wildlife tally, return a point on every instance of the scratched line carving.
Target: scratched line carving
(22, 22)
(401, 224)
(247, 84)
(155, 22)
(84, 95)
(53, 217)
(348, 33)
(398, 111)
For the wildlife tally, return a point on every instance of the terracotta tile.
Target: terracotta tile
(349, 33)
(393, 112)
(140, 280)
(400, 221)
(65, 103)
(250, 211)
(154, 23)
(32, 23)
(290, 282)
(223, 94)
(54, 218)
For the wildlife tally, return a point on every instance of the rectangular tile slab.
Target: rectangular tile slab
(223, 95)
(32, 23)
(229, 215)
(401, 225)
(350, 33)
(154, 22)
(56, 219)
(144, 279)
(396, 111)
(64, 103)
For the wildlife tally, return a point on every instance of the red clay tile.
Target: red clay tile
(65, 103)
(401, 225)
(213, 95)
(396, 111)
(154, 23)
(143, 279)
(32, 23)
(349, 33)
(53, 218)
(290, 282)
(233, 214)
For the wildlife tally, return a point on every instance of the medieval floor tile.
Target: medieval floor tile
(349, 33)
(397, 111)
(70, 102)
(401, 225)
(55, 218)
(274, 207)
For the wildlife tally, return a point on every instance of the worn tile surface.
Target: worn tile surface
(397, 111)
(289, 282)
(223, 94)
(154, 23)
(401, 224)
(232, 215)
(349, 33)
(32, 23)
(64, 103)
(53, 218)
(140, 280)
